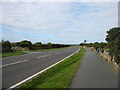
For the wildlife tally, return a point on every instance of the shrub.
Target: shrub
(6, 46)
(113, 39)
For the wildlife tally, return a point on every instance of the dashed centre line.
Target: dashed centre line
(25, 60)
(43, 56)
(57, 53)
(21, 61)
(14, 63)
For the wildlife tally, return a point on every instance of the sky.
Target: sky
(57, 22)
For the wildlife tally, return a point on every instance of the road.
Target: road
(94, 72)
(17, 68)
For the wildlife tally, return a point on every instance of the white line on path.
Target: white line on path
(40, 72)
(14, 63)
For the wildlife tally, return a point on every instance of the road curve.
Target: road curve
(18, 68)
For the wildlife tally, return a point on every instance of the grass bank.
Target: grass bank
(51, 49)
(14, 53)
(59, 76)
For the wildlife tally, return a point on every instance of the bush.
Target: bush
(6, 46)
(25, 44)
(113, 39)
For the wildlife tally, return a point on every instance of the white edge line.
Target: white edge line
(40, 72)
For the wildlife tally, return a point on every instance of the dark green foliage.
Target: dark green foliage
(102, 45)
(113, 34)
(14, 44)
(95, 45)
(18, 44)
(25, 43)
(85, 41)
(99, 45)
(113, 39)
(49, 43)
(38, 44)
(6, 46)
(90, 44)
(82, 44)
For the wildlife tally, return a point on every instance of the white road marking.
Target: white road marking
(21, 61)
(57, 53)
(23, 81)
(43, 56)
(13, 63)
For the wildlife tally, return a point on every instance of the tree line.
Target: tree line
(112, 45)
(7, 45)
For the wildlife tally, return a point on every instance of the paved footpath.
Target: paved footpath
(95, 73)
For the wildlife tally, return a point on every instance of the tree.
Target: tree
(38, 44)
(49, 43)
(81, 44)
(102, 45)
(113, 34)
(26, 43)
(85, 41)
(113, 39)
(6, 46)
(14, 44)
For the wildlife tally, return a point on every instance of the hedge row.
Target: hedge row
(7, 45)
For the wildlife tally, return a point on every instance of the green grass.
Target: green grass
(59, 76)
(14, 53)
(51, 49)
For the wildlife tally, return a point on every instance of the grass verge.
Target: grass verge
(59, 76)
(51, 49)
(14, 53)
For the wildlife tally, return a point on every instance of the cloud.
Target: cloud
(59, 22)
(35, 16)
(59, 0)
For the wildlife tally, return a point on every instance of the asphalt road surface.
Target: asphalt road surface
(18, 68)
(94, 72)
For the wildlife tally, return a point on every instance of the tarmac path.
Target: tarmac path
(94, 72)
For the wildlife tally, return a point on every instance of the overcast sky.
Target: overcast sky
(60, 22)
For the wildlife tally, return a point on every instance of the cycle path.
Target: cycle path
(94, 72)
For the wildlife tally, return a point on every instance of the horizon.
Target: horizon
(54, 43)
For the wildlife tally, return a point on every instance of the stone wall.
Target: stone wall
(16, 48)
(105, 55)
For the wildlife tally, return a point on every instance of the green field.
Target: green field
(59, 76)
(14, 53)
